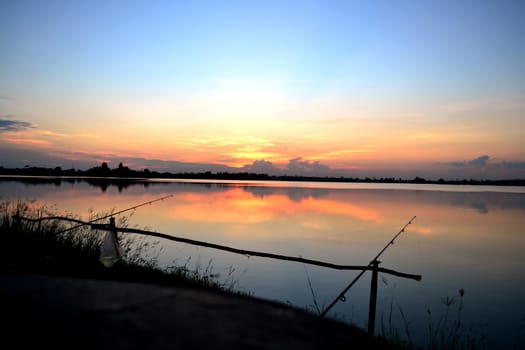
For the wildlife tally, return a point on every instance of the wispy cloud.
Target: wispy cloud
(59, 135)
(27, 141)
(343, 152)
(9, 124)
(23, 133)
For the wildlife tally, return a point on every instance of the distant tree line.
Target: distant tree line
(104, 171)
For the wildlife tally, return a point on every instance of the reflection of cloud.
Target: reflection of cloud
(423, 230)
(295, 194)
(332, 207)
(238, 206)
(13, 125)
(234, 207)
(480, 207)
(315, 225)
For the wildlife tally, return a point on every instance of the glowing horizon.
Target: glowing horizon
(349, 87)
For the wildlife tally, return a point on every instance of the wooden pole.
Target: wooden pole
(17, 222)
(228, 249)
(113, 228)
(373, 298)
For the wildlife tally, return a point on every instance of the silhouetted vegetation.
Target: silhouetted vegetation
(56, 247)
(121, 173)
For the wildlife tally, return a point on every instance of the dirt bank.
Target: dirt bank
(82, 313)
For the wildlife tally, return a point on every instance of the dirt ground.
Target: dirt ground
(90, 314)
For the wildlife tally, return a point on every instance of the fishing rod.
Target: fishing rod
(102, 217)
(341, 295)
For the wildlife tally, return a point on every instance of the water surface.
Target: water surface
(464, 237)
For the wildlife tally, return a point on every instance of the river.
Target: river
(468, 238)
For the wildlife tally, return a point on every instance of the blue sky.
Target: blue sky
(374, 66)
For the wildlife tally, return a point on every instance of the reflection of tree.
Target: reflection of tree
(480, 207)
(295, 194)
(482, 202)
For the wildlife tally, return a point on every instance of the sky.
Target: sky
(346, 88)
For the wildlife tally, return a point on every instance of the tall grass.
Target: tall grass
(446, 329)
(44, 245)
(66, 248)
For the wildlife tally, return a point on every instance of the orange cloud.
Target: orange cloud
(27, 141)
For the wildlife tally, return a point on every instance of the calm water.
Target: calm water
(463, 237)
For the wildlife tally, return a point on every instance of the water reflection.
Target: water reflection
(469, 240)
(295, 194)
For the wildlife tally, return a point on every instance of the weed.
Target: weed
(60, 247)
(318, 309)
(447, 332)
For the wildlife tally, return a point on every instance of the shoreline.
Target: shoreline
(90, 313)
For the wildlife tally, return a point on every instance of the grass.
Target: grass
(60, 247)
(446, 330)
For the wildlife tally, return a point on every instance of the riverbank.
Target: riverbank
(80, 313)
(54, 291)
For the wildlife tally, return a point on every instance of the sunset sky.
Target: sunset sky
(346, 88)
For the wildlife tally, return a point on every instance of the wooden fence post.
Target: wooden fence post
(373, 298)
(17, 222)
(113, 228)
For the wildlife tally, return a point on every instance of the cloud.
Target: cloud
(27, 141)
(13, 125)
(483, 167)
(262, 167)
(13, 157)
(476, 162)
(480, 161)
(511, 165)
(17, 158)
(297, 166)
